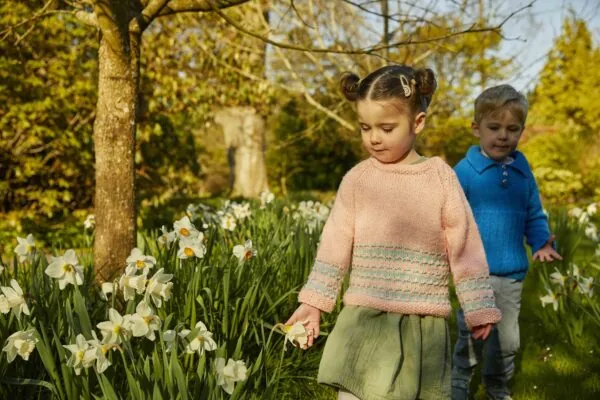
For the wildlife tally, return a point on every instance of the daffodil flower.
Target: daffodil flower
(78, 350)
(184, 229)
(97, 352)
(137, 261)
(166, 238)
(591, 231)
(265, 198)
(25, 248)
(550, 298)
(591, 209)
(66, 269)
(15, 298)
(296, 334)
(4, 304)
(585, 286)
(228, 222)
(241, 211)
(227, 375)
(130, 284)
(244, 252)
(107, 288)
(144, 322)
(20, 343)
(116, 328)
(558, 278)
(201, 339)
(90, 222)
(159, 287)
(192, 247)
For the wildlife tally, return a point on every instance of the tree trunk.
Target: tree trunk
(114, 146)
(243, 129)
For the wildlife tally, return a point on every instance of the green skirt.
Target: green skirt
(378, 355)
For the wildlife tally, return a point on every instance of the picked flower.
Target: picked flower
(137, 261)
(159, 287)
(20, 343)
(25, 248)
(227, 375)
(116, 328)
(14, 297)
(185, 229)
(191, 247)
(296, 334)
(66, 269)
(144, 322)
(244, 252)
(201, 339)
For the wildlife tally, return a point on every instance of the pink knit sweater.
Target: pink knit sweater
(402, 229)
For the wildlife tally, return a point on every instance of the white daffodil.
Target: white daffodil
(558, 278)
(90, 222)
(159, 287)
(130, 284)
(78, 350)
(192, 211)
(185, 229)
(228, 222)
(66, 269)
(15, 298)
(574, 271)
(241, 211)
(4, 304)
(244, 252)
(227, 375)
(25, 248)
(199, 339)
(591, 231)
(108, 288)
(144, 322)
(116, 328)
(191, 247)
(170, 339)
(266, 197)
(584, 285)
(575, 212)
(592, 209)
(97, 352)
(296, 334)
(550, 298)
(137, 261)
(20, 343)
(166, 238)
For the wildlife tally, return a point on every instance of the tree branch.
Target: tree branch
(178, 6)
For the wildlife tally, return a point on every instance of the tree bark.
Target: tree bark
(114, 144)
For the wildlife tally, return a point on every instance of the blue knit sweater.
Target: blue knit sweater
(507, 208)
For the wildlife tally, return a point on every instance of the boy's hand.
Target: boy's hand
(482, 331)
(547, 253)
(312, 317)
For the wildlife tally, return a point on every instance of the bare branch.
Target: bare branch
(178, 6)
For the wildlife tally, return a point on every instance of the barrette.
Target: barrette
(405, 86)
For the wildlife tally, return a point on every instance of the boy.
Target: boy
(504, 197)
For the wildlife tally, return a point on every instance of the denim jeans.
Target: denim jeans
(497, 351)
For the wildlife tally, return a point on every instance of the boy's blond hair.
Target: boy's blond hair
(498, 97)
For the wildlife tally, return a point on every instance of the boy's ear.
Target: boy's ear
(475, 129)
(420, 122)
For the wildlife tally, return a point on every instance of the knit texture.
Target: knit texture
(506, 204)
(402, 229)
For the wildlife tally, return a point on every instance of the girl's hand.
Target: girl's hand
(546, 254)
(311, 316)
(482, 331)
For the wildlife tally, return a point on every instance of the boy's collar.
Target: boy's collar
(480, 163)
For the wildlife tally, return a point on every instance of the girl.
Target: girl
(401, 224)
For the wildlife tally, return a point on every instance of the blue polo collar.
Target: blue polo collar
(480, 163)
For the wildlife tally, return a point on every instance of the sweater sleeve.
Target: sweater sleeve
(537, 231)
(334, 252)
(466, 256)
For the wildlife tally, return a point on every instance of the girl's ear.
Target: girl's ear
(419, 122)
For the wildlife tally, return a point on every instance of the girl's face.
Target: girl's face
(498, 133)
(388, 130)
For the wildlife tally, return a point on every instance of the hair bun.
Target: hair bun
(349, 85)
(426, 83)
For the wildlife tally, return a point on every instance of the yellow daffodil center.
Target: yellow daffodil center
(68, 268)
(140, 264)
(117, 329)
(188, 252)
(80, 355)
(184, 232)
(148, 319)
(29, 248)
(287, 328)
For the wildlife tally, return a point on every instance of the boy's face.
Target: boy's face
(499, 133)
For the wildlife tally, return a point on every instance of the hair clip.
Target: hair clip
(405, 85)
